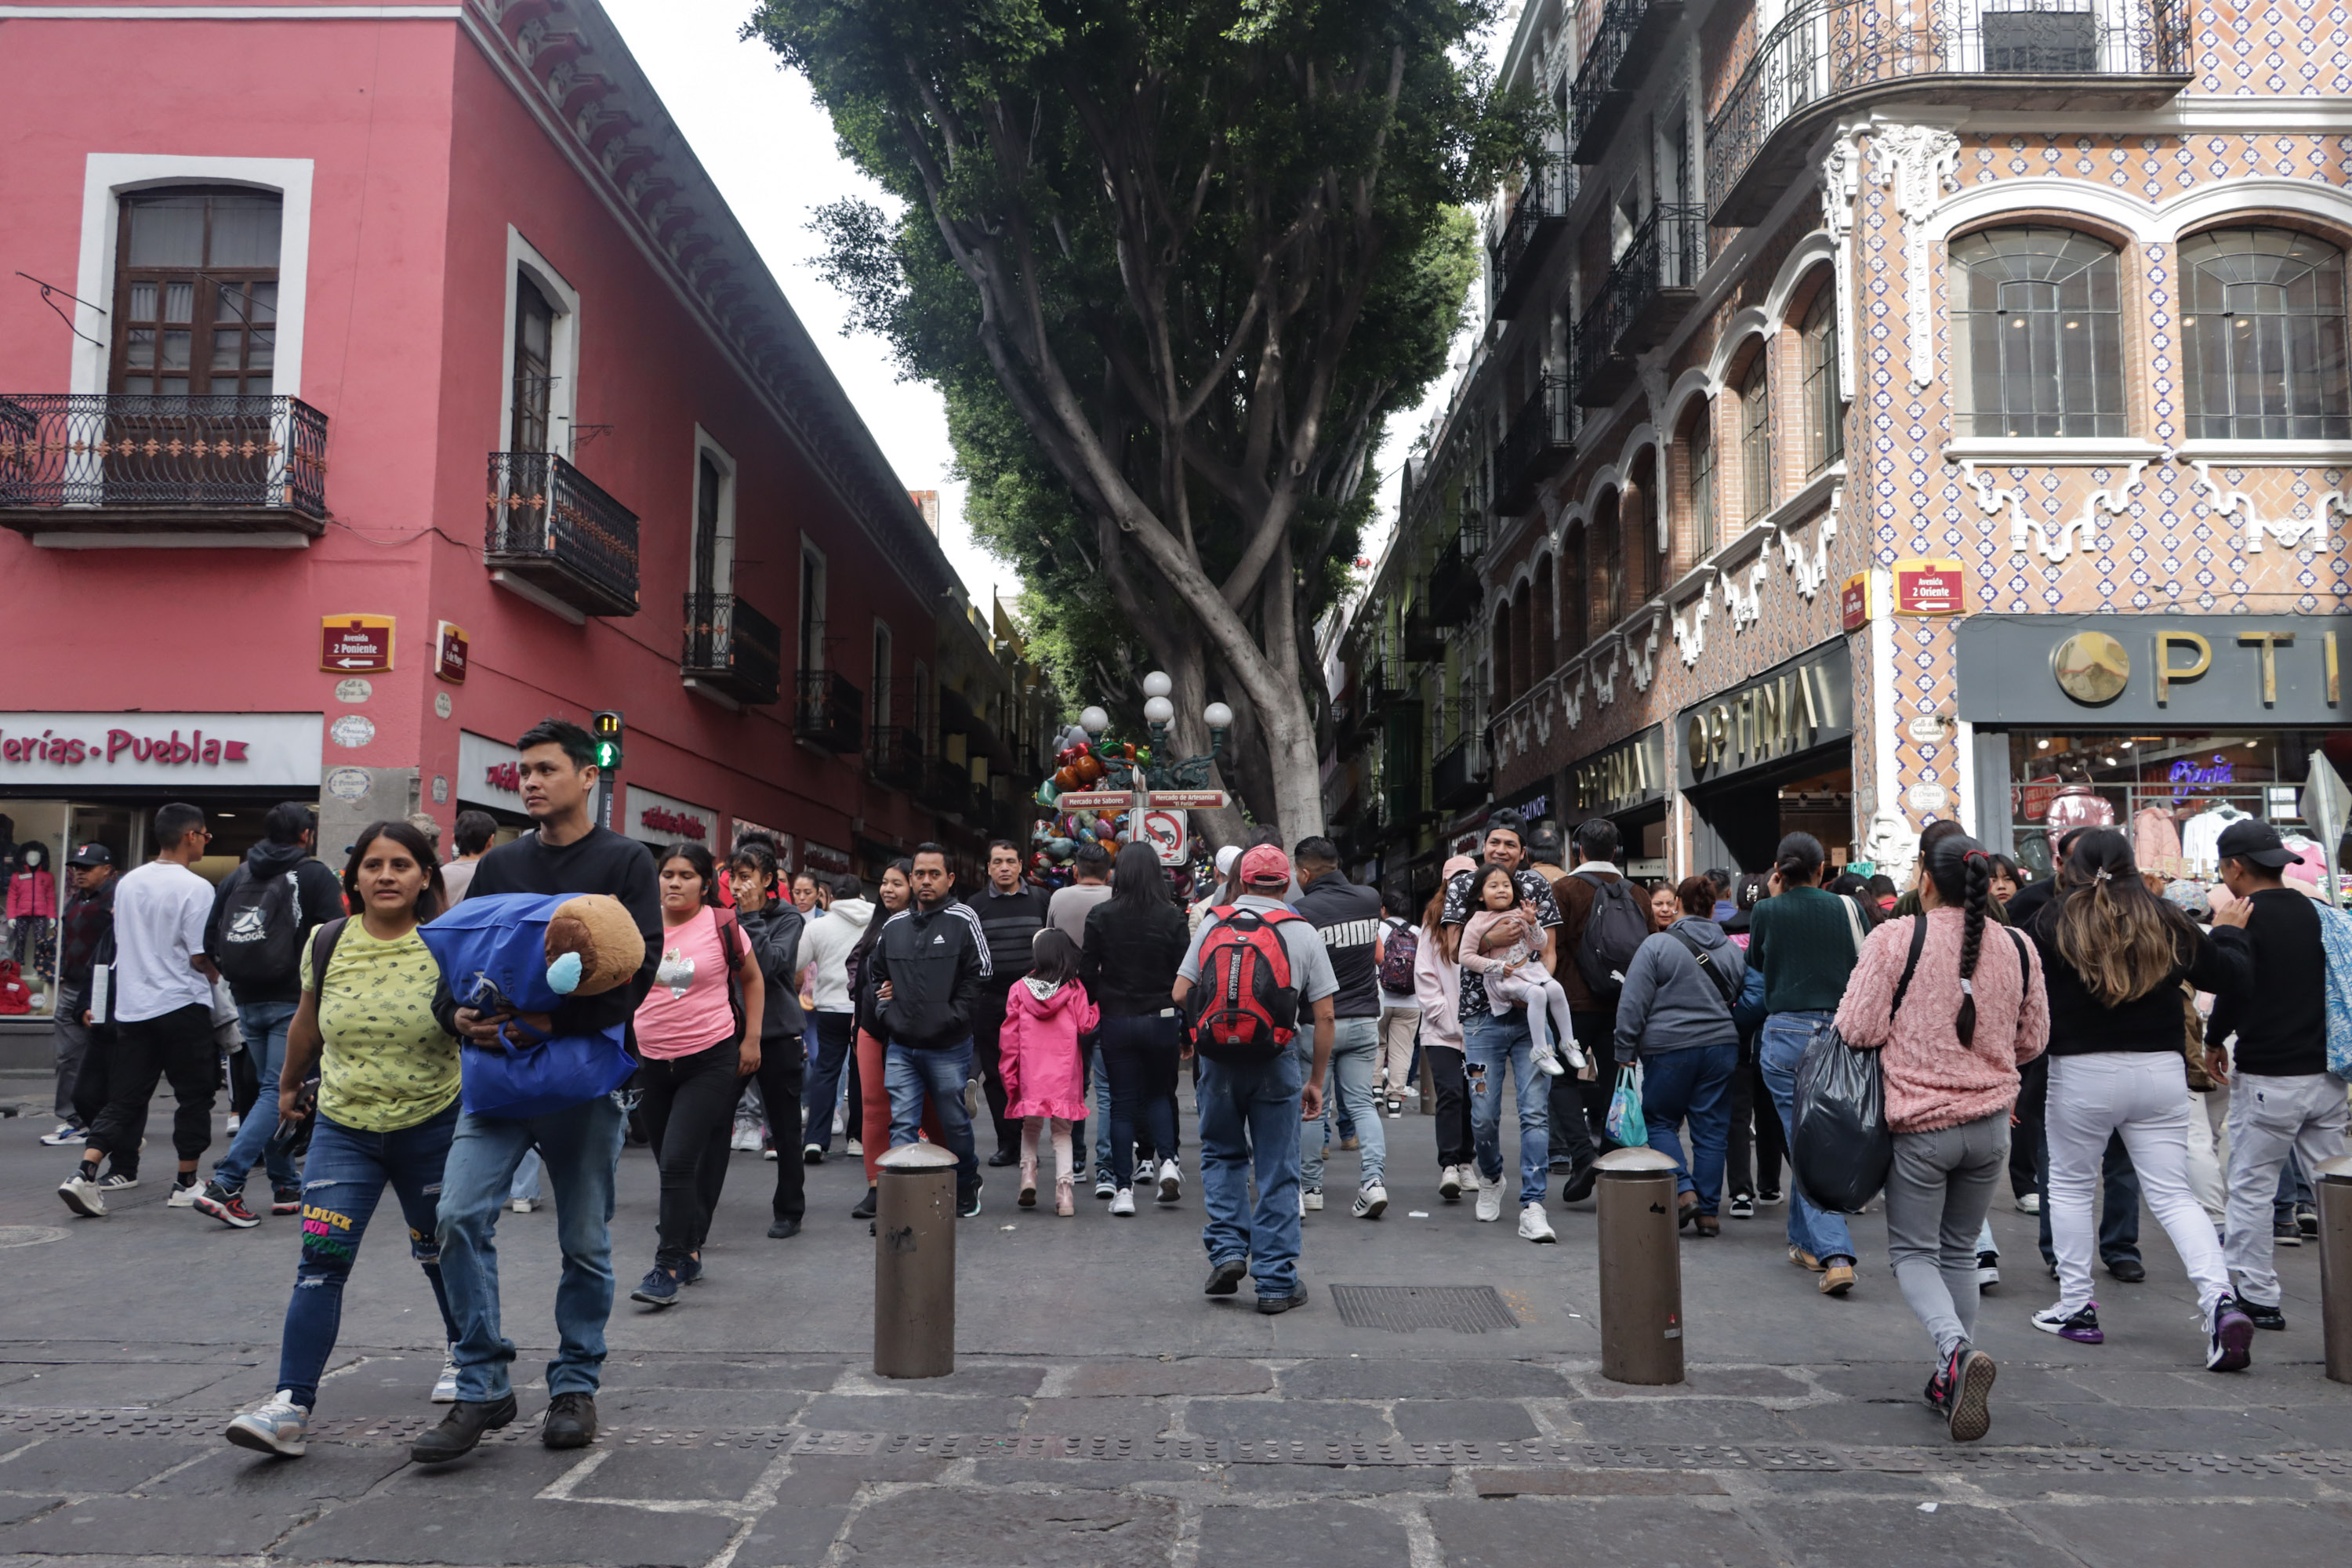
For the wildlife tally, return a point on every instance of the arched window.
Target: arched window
(2265, 329)
(1701, 443)
(1824, 413)
(2037, 333)
(1756, 435)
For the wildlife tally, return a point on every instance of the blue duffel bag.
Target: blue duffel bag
(493, 956)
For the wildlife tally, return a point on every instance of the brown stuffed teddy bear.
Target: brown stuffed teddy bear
(593, 946)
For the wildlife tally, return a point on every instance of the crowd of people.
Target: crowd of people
(2066, 1033)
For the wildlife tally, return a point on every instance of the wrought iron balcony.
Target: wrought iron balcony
(1652, 286)
(1424, 637)
(562, 539)
(101, 463)
(894, 756)
(1539, 216)
(829, 712)
(732, 648)
(1377, 682)
(1631, 34)
(1828, 59)
(1540, 442)
(947, 787)
(1453, 591)
(1458, 777)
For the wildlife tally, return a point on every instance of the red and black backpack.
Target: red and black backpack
(1249, 999)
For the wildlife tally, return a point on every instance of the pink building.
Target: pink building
(401, 378)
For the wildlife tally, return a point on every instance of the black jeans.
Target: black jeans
(1579, 1105)
(1443, 1065)
(783, 1066)
(177, 1047)
(689, 1112)
(1758, 1145)
(987, 1027)
(2033, 1098)
(1140, 1054)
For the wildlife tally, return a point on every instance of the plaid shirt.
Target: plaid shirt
(1535, 892)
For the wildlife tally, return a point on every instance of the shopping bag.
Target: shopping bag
(1841, 1146)
(1625, 1124)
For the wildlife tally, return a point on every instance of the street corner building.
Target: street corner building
(1885, 411)
(387, 378)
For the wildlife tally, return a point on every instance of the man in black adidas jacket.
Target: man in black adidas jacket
(1011, 914)
(926, 969)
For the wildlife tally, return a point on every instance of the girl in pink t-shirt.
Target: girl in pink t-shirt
(698, 1033)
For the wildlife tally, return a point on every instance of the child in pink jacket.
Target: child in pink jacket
(1044, 1079)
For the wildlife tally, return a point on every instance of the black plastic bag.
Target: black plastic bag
(1842, 1146)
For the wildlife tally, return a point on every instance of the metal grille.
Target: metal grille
(1402, 1309)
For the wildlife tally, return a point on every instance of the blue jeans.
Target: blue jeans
(940, 1073)
(837, 1035)
(1099, 1074)
(1249, 1119)
(1693, 1082)
(580, 1148)
(263, 1024)
(1493, 1043)
(344, 1180)
(1355, 1050)
(1781, 1046)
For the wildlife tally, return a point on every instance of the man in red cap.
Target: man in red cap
(1252, 1099)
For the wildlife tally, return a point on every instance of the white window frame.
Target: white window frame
(724, 563)
(108, 177)
(562, 346)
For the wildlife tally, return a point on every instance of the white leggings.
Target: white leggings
(2143, 1095)
(1545, 999)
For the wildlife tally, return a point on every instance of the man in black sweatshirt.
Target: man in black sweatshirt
(928, 969)
(1011, 912)
(2282, 1095)
(580, 1144)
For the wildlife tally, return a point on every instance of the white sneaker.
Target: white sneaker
(184, 1195)
(1122, 1201)
(234, 1121)
(521, 1205)
(1371, 1203)
(80, 1195)
(445, 1387)
(1449, 1183)
(1547, 1060)
(1490, 1198)
(67, 1133)
(1172, 1182)
(837, 1128)
(973, 1098)
(745, 1141)
(1534, 1224)
(854, 1147)
(276, 1426)
(2029, 1202)
(1311, 1201)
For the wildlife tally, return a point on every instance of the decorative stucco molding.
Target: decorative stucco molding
(1841, 181)
(1921, 163)
(2290, 531)
(2054, 542)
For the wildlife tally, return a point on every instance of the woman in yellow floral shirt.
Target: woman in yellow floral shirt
(387, 1106)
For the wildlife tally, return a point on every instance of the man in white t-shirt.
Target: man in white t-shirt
(160, 1000)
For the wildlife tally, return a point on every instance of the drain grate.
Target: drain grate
(1402, 1309)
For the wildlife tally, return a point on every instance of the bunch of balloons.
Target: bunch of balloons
(1081, 763)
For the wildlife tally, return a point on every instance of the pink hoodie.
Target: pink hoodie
(1933, 1080)
(1039, 1049)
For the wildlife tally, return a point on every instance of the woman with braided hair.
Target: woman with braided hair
(1953, 1014)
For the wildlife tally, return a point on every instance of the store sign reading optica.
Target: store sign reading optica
(1930, 588)
(68, 749)
(1804, 703)
(349, 644)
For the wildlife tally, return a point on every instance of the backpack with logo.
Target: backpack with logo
(1613, 931)
(1399, 948)
(260, 929)
(1249, 998)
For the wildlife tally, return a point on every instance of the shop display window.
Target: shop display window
(2173, 794)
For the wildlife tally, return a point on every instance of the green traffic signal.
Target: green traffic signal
(608, 755)
(606, 727)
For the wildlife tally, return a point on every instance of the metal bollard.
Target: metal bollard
(1641, 1269)
(914, 1263)
(2331, 1184)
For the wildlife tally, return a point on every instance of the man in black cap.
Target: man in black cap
(89, 917)
(2282, 1097)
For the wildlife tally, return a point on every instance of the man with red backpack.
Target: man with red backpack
(1256, 964)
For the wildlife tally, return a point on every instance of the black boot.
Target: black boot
(461, 1429)
(865, 1205)
(571, 1421)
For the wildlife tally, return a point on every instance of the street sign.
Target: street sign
(1930, 587)
(1166, 832)
(349, 645)
(449, 650)
(1095, 800)
(1190, 799)
(1853, 602)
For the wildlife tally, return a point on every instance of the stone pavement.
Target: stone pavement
(1104, 1413)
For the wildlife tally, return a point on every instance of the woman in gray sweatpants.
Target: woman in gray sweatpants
(1954, 1016)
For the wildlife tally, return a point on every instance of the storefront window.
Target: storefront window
(2173, 794)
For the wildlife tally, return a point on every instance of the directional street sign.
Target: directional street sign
(1190, 799)
(1095, 800)
(1120, 800)
(353, 645)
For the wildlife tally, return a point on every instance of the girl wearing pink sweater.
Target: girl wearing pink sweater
(1954, 1005)
(1044, 1083)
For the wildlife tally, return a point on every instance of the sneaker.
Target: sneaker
(1966, 1384)
(2228, 1337)
(461, 1429)
(2306, 1219)
(1371, 1203)
(118, 1181)
(1226, 1278)
(67, 1133)
(745, 1139)
(81, 1196)
(2261, 1316)
(445, 1387)
(1547, 1061)
(1490, 1198)
(1106, 1184)
(658, 1289)
(767, 1149)
(185, 1194)
(1395, 1109)
(234, 1121)
(690, 1272)
(1767, 1196)
(1837, 1279)
(812, 1154)
(967, 1201)
(1449, 1183)
(1988, 1272)
(2081, 1325)
(520, 1206)
(778, 1230)
(972, 1098)
(1311, 1201)
(1122, 1203)
(1171, 1181)
(2029, 1202)
(224, 1205)
(1742, 1206)
(2287, 1232)
(276, 1425)
(1803, 1260)
(1534, 1225)
(853, 1148)
(286, 1200)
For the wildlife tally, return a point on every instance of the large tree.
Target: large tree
(1172, 262)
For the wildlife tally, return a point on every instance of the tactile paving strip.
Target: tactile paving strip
(1405, 1308)
(2094, 1461)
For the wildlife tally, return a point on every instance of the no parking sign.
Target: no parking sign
(1167, 833)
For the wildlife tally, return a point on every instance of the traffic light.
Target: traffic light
(607, 731)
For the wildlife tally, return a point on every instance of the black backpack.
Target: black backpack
(260, 929)
(1613, 931)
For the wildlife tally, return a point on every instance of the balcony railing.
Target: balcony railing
(829, 712)
(1652, 286)
(1828, 58)
(1458, 777)
(1537, 218)
(564, 539)
(1540, 442)
(101, 463)
(1424, 637)
(947, 787)
(894, 755)
(732, 648)
(1628, 39)
(1453, 591)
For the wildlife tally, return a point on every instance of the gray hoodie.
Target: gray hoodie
(1668, 1004)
